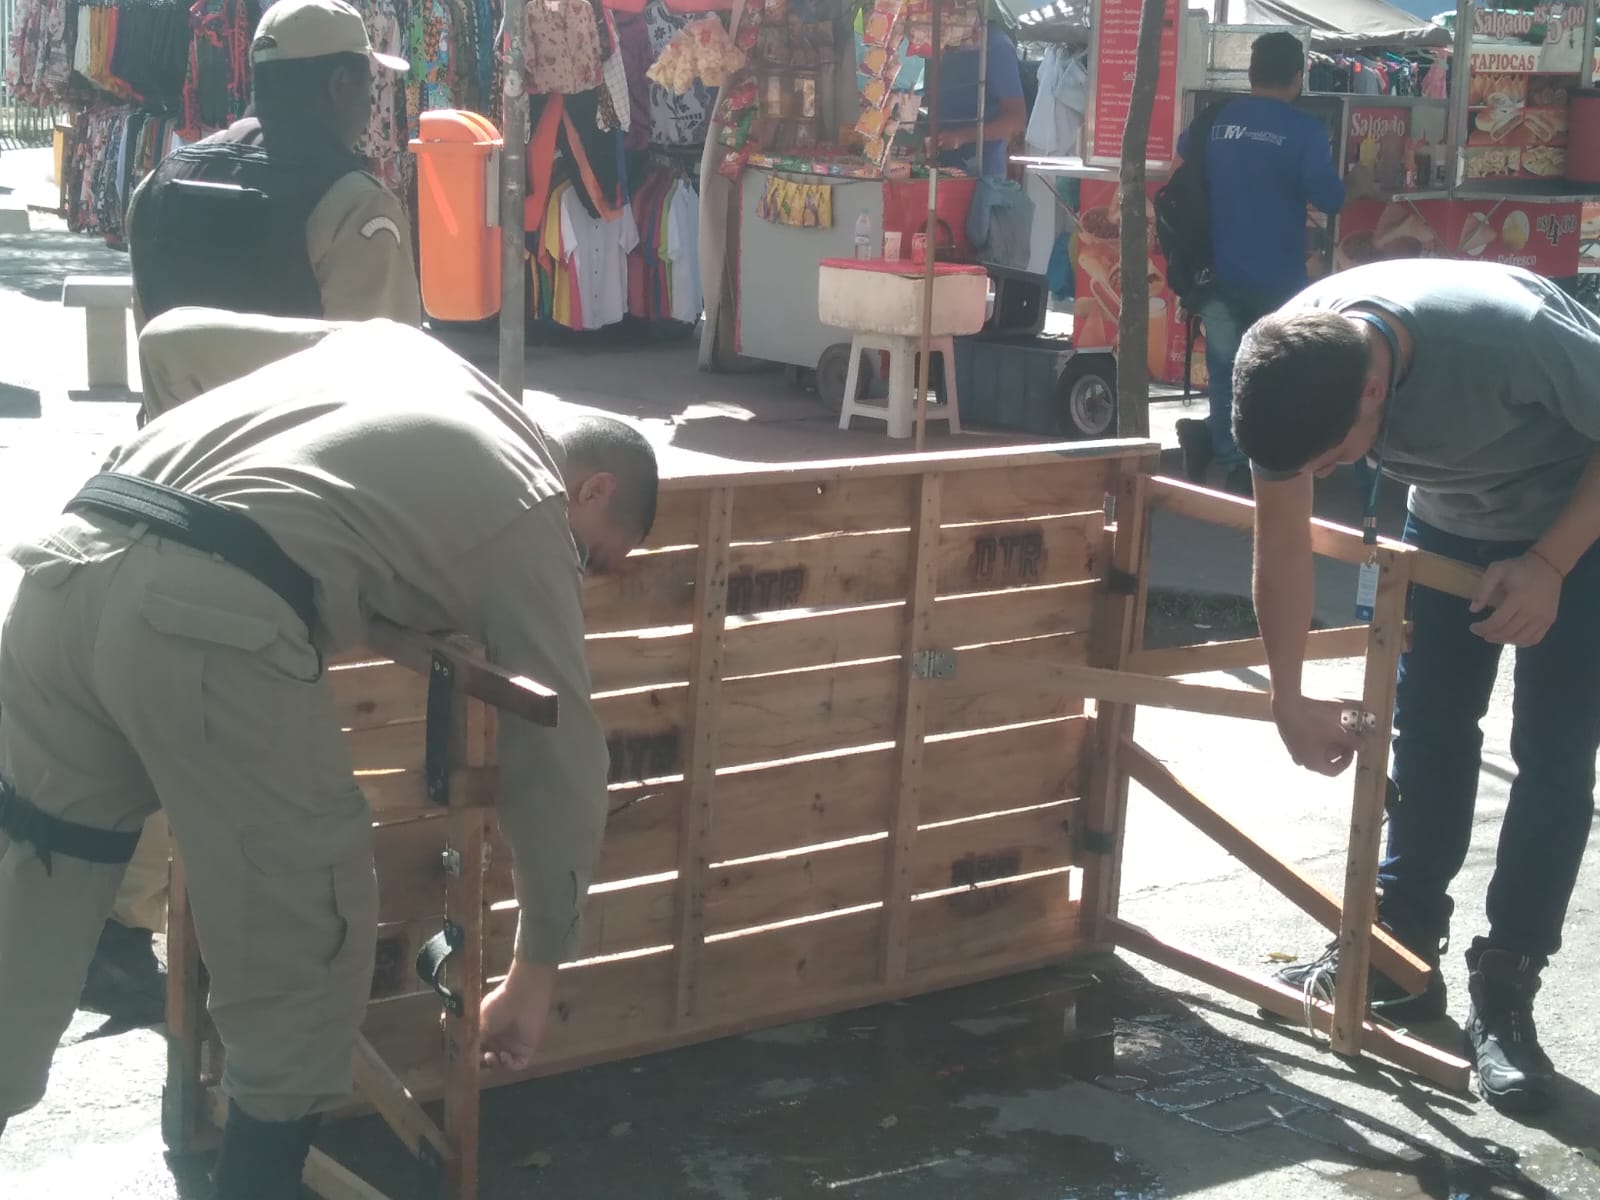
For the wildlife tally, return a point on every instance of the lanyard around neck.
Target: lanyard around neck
(1369, 515)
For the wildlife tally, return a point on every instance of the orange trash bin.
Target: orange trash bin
(458, 169)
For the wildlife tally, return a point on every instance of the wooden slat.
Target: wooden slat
(780, 967)
(847, 569)
(1006, 665)
(1011, 494)
(1347, 642)
(371, 696)
(1366, 812)
(1400, 964)
(1416, 1056)
(331, 1180)
(384, 1090)
(704, 736)
(790, 640)
(910, 726)
(810, 803)
(1118, 634)
(677, 520)
(994, 847)
(477, 676)
(182, 1100)
(768, 891)
(1035, 917)
(848, 505)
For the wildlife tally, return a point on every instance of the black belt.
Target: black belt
(25, 824)
(202, 525)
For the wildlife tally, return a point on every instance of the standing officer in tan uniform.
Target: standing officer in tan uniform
(277, 214)
(165, 648)
(274, 215)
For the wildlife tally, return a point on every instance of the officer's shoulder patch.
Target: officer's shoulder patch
(381, 225)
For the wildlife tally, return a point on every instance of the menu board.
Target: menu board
(1113, 56)
(1516, 124)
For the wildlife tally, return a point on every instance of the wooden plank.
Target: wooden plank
(1328, 539)
(478, 677)
(1042, 490)
(383, 1089)
(819, 880)
(789, 640)
(1005, 666)
(1366, 813)
(1119, 633)
(1400, 964)
(916, 637)
(781, 967)
(677, 519)
(1416, 1056)
(327, 1178)
(817, 801)
(704, 732)
(846, 505)
(993, 847)
(1063, 456)
(373, 695)
(183, 1098)
(846, 569)
(643, 831)
(1349, 641)
(985, 694)
(1035, 918)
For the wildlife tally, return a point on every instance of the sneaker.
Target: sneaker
(1385, 998)
(1514, 1074)
(125, 982)
(1194, 439)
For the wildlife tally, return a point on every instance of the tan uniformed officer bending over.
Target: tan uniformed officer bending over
(275, 215)
(165, 647)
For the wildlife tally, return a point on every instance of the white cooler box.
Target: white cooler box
(885, 296)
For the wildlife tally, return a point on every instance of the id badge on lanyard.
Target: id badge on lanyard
(1367, 580)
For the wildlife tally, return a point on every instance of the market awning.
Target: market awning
(1359, 17)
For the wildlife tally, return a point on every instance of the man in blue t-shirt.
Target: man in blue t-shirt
(1005, 111)
(1266, 160)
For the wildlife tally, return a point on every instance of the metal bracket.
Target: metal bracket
(1096, 841)
(1121, 583)
(451, 861)
(1353, 720)
(441, 702)
(933, 664)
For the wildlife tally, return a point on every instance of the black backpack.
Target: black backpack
(1183, 217)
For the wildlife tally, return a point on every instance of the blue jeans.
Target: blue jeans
(1227, 312)
(1444, 687)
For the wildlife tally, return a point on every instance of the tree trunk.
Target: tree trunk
(1133, 325)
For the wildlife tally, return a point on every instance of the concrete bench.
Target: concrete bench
(105, 300)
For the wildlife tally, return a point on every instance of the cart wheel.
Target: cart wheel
(833, 368)
(1087, 393)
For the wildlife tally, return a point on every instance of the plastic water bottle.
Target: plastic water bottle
(863, 235)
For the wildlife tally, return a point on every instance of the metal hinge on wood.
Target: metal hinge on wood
(933, 664)
(1096, 841)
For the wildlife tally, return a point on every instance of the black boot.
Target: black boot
(1514, 1074)
(125, 981)
(262, 1160)
(1194, 440)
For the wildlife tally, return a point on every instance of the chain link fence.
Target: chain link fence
(20, 124)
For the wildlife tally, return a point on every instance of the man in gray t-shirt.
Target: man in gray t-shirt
(1478, 385)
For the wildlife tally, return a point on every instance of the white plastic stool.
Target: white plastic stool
(900, 411)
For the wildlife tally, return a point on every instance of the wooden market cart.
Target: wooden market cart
(851, 761)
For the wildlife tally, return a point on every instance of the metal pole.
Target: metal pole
(1460, 81)
(513, 186)
(1586, 70)
(930, 233)
(983, 75)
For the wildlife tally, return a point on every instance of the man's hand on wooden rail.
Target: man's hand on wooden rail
(1524, 594)
(513, 1016)
(1314, 733)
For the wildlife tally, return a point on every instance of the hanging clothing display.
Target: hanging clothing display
(562, 51)
(39, 58)
(675, 120)
(216, 87)
(1056, 122)
(110, 151)
(384, 143)
(664, 271)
